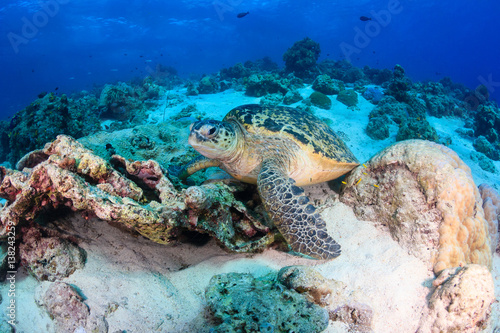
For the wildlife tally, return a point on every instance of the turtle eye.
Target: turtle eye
(209, 131)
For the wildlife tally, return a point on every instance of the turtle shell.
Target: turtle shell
(314, 137)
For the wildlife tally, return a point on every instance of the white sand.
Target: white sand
(161, 288)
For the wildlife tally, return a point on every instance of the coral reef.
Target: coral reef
(49, 258)
(259, 85)
(242, 303)
(426, 197)
(324, 84)
(491, 208)
(416, 128)
(208, 85)
(377, 76)
(301, 58)
(373, 94)
(378, 127)
(482, 145)
(292, 97)
(320, 100)
(461, 301)
(399, 85)
(487, 122)
(271, 100)
(484, 162)
(348, 97)
(65, 173)
(69, 311)
(333, 295)
(44, 119)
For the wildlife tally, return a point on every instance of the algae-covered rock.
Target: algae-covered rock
(324, 84)
(69, 311)
(484, 162)
(271, 99)
(320, 100)
(348, 97)
(302, 56)
(487, 122)
(482, 145)
(49, 258)
(208, 85)
(399, 85)
(378, 127)
(461, 301)
(417, 128)
(258, 85)
(291, 97)
(242, 303)
(374, 95)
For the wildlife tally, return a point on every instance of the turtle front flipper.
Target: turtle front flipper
(195, 165)
(296, 219)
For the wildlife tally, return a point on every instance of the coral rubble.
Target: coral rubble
(65, 173)
(66, 306)
(461, 301)
(424, 194)
(242, 303)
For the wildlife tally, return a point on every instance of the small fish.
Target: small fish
(364, 18)
(240, 15)
(57, 88)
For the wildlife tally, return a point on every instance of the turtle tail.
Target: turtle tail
(293, 215)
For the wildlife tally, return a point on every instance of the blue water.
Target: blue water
(74, 44)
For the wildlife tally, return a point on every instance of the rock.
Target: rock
(484, 162)
(271, 99)
(348, 97)
(487, 122)
(373, 94)
(461, 302)
(320, 100)
(69, 312)
(333, 295)
(302, 57)
(482, 145)
(378, 127)
(49, 258)
(242, 303)
(324, 84)
(66, 174)
(259, 85)
(208, 85)
(292, 97)
(424, 195)
(416, 128)
(491, 207)
(399, 85)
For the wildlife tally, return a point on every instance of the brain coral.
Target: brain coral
(427, 198)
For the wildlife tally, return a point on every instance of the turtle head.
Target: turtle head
(214, 139)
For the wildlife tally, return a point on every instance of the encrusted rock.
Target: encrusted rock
(461, 302)
(426, 197)
(242, 303)
(73, 176)
(341, 303)
(49, 258)
(69, 312)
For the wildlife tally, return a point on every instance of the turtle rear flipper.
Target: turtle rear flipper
(296, 219)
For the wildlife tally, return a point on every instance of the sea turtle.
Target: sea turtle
(279, 149)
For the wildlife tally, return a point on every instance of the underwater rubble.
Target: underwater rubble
(65, 174)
